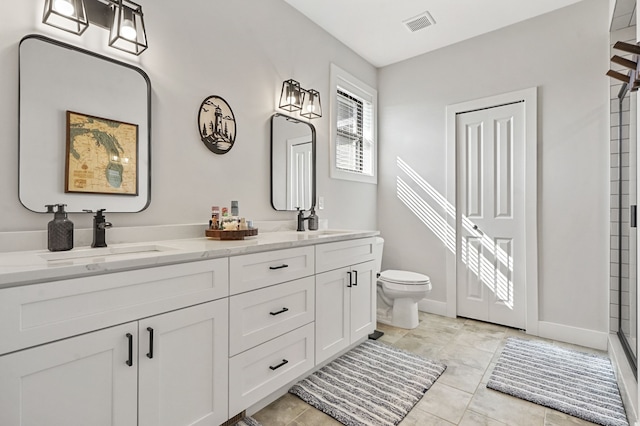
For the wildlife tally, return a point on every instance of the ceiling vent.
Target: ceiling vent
(419, 22)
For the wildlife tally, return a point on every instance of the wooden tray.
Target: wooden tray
(218, 234)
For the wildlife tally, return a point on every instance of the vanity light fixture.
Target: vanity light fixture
(295, 98)
(311, 107)
(123, 19)
(291, 96)
(127, 29)
(66, 15)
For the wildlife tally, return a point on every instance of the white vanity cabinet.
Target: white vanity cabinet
(182, 367)
(100, 373)
(83, 380)
(345, 295)
(271, 327)
(122, 375)
(184, 340)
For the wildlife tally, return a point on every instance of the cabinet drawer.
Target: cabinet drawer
(262, 370)
(344, 253)
(261, 315)
(252, 271)
(40, 313)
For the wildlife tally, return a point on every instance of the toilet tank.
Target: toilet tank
(377, 252)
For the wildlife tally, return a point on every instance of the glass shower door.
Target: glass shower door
(627, 222)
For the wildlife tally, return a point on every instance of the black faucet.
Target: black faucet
(99, 226)
(301, 220)
(312, 218)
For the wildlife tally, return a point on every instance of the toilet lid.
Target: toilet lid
(404, 277)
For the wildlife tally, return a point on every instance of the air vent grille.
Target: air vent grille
(419, 22)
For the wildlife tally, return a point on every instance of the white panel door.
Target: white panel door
(490, 215)
(299, 173)
(183, 372)
(81, 381)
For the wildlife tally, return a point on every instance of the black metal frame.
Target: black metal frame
(623, 339)
(313, 155)
(107, 59)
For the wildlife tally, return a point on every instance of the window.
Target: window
(353, 134)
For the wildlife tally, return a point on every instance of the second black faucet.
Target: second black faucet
(100, 224)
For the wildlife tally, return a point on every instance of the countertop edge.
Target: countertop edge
(184, 251)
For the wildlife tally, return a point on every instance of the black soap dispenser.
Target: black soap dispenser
(59, 230)
(313, 220)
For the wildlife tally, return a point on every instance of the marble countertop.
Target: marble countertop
(35, 266)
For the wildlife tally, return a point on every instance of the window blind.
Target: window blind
(354, 138)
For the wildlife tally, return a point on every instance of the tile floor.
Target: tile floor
(470, 350)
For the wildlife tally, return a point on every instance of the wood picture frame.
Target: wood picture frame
(101, 155)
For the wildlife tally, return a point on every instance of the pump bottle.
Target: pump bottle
(59, 230)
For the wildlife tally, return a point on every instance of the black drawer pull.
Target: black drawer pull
(349, 273)
(273, 268)
(150, 353)
(130, 360)
(281, 311)
(356, 279)
(284, 361)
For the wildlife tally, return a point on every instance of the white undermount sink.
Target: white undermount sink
(103, 252)
(323, 233)
(329, 232)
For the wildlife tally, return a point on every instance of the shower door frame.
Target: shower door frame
(631, 357)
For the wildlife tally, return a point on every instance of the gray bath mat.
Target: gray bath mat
(373, 384)
(248, 421)
(579, 384)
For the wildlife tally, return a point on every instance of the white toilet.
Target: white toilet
(399, 293)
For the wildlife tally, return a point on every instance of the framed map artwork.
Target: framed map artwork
(102, 155)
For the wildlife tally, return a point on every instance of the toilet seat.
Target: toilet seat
(393, 276)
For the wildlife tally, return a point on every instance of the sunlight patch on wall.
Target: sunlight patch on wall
(488, 261)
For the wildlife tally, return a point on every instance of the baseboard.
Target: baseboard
(577, 336)
(433, 307)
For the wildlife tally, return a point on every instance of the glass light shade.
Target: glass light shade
(67, 15)
(127, 29)
(291, 96)
(311, 107)
(64, 7)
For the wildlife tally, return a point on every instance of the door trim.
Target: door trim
(529, 96)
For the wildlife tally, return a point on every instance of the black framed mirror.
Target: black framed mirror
(293, 164)
(102, 160)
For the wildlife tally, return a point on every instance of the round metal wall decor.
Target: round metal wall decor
(217, 125)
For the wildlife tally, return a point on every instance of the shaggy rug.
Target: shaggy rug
(579, 384)
(372, 384)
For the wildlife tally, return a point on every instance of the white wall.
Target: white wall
(564, 54)
(240, 50)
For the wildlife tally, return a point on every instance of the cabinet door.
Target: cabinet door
(183, 374)
(83, 380)
(332, 313)
(363, 300)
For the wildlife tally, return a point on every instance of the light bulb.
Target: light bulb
(64, 7)
(127, 30)
(311, 107)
